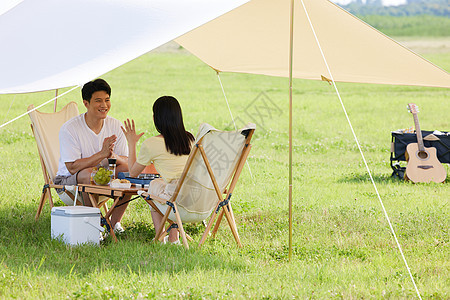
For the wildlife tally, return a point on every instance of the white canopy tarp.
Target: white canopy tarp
(6, 5)
(48, 44)
(255, 39)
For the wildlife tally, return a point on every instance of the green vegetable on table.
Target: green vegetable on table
(102, 176)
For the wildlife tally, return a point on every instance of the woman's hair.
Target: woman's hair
(169, 122)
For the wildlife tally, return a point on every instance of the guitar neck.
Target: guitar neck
(418, 133)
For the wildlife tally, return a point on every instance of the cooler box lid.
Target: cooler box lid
(76, 211)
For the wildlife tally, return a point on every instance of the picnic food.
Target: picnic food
(120, 184)
(120, 181)
(102, 176)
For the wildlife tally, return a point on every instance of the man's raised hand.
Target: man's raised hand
(108, 146)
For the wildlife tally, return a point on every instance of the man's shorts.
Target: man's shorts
(65, 180)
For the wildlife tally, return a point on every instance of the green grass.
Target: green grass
(418, 26)
(342, 246)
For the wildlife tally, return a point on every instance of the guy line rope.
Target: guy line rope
(362, 154)
(232, 118)
(24, 114)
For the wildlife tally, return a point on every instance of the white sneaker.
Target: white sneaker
(166, 241)
(118, 228)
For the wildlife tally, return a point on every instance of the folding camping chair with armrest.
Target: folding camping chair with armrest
(45, 127)
(207, 182)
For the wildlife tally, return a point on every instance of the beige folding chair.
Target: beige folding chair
(207, 182)
(45, 127)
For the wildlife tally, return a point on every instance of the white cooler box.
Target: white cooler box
(76, 224)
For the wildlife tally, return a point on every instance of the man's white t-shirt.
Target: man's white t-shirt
(77, 140)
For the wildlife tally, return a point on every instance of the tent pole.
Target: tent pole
(56, 100)
(291, 47)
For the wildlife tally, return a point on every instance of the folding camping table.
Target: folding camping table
(400, 140)
(117, 194)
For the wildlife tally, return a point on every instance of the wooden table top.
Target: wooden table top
(107, 190)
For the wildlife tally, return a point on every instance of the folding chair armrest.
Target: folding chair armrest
(56, 186)
(147, 196)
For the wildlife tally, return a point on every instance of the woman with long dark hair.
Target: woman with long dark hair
(167, 151)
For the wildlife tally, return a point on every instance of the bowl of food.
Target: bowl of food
(120, 184)
(101, 176)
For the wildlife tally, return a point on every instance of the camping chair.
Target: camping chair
(45, 127)
(207, 182)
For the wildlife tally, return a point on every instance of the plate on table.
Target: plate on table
(120, 184)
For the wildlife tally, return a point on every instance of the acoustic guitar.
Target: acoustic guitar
(423, 165)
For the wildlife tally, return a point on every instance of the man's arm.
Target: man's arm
(84, 163)
(92, 161)
(122, 163)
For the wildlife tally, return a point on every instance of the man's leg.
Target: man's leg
(118, 212)
(84, 176)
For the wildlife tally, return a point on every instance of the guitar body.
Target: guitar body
(423, 166)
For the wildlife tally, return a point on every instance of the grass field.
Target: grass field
(342, 246)
(418, 26)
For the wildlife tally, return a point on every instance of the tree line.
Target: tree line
(412, 8)
(419, 26)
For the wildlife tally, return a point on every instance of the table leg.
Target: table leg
(95, 204)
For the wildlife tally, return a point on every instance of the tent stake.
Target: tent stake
(291, 47)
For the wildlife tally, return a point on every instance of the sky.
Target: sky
(5, 5)
(385, 2)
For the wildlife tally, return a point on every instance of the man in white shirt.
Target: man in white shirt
(88, 140)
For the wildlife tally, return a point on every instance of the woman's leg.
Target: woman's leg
(157, 218)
